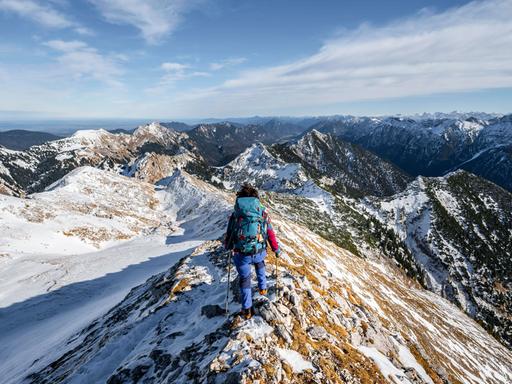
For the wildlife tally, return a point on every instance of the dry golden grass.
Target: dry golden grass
(181, 286)
(96, 235)
(35, 214)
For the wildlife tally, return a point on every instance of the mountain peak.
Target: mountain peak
(90, 133)
(154, 133)
(153, 128)
(88, 136)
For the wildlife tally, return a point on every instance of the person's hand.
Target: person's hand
(278, 253)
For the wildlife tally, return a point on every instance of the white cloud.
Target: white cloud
(174, 72)
(155, 19)
(66, 46)
(465, 48)
(174, 67)
(44, 15)
(227, 63)
(84, 31)
(80, 60)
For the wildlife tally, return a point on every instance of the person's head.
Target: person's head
(247, 190)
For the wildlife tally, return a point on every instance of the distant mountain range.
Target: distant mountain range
(19, 139)
(434, 147)
(426, 144)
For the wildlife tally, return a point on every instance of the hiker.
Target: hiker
(249, 229)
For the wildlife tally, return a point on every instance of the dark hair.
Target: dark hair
(247, 190)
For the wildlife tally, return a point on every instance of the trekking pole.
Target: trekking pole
(277, 278)
(229, 282)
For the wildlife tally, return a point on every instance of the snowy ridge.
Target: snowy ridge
(259, 167)
(339, 318)
(86, 210)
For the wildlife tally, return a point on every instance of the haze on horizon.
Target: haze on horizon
(171, 59)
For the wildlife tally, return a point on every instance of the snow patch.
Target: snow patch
(295, 360)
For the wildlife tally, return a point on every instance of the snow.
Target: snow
(4, 170)
(257, 328)
(295, 360)
(89, 134)
(154, 132)
(409, 361)
(64, 156)
(57, 292)
(324, 200)
(49, 293)
(385, 366)
(259, 167)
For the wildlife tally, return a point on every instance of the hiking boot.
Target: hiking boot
(246, 313)
(263, 292)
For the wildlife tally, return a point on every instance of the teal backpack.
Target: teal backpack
(250, 229)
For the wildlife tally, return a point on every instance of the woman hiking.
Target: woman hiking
(249, 229)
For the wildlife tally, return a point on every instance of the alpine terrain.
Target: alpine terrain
(396, 266)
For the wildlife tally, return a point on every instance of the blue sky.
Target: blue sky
(171, 59)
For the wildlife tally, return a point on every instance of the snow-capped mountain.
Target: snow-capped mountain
(343, 167)
(221, 142)
(433, 147)
(256, 165)
(338, 317)
(333, 164)
(35, 169)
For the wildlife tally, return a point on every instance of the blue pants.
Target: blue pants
(243, 267)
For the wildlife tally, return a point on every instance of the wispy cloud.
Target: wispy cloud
(174, 67)
(84, 31)
(80, 60)
(45, 15)
(227, 63)
(155, 19)
(464, 48)
(174, 72)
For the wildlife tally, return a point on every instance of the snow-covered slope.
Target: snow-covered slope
(459, 231)
(49, 233)
(56, 279)
(339, 318)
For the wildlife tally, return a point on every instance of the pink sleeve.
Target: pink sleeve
(272, 238)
